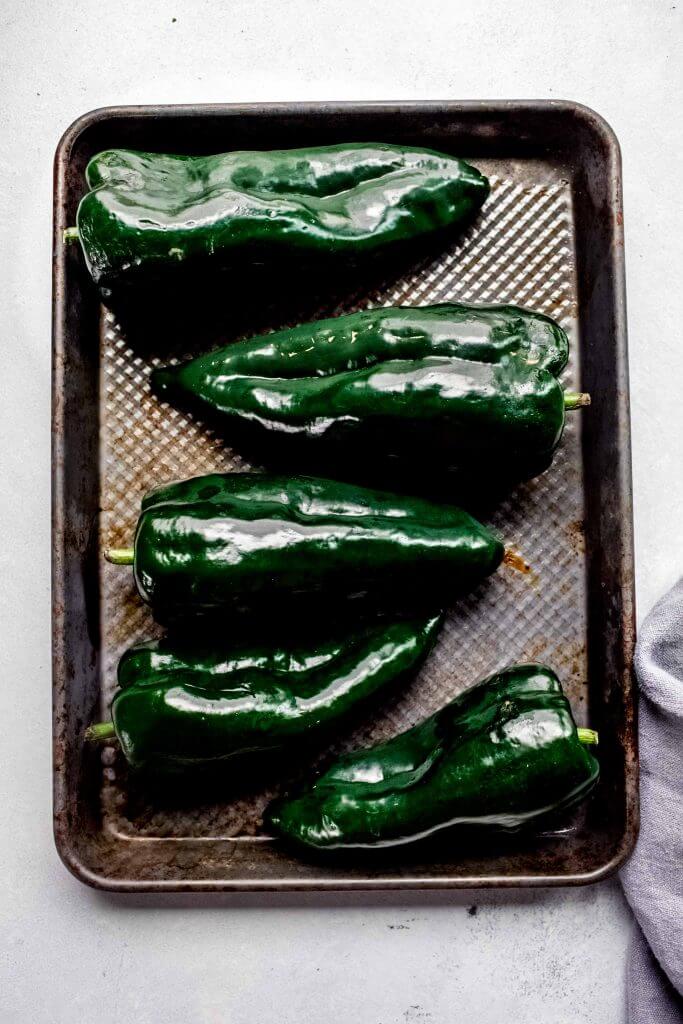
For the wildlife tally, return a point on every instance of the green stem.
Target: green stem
(100, 731)
(120, 556)
(70, 235)
(588, 736)
(576, 399)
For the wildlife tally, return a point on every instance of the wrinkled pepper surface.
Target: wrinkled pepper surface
(242, 540)
(323, 348)
(401, 392)
(183, 705)
(500, 756)
(150, 210)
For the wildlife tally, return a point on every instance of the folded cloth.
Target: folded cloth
(653, 877)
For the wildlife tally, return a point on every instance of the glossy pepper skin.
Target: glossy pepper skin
(244, 540)
(499, 757)
(150, 210)
(484, 334)
(182, 705)
(488, 421)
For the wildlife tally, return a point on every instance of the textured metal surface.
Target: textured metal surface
(522, 250)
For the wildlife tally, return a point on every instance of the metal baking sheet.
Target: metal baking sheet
(550, 237)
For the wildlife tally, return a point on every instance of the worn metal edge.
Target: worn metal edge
(59, 709)
(584, 113)
(599, 126)
(106, 883)
(625, 478)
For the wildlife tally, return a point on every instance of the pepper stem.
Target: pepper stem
(588, 736)
(70, 235)
(120, 556)
(575, 399)
(100, 731)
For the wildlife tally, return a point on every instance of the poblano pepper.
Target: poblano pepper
(182, 705)
(150, 211)
(323, 348)
(400, 384)
(245, 540)
(502, 755)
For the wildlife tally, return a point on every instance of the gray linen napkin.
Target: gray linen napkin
(653, 877)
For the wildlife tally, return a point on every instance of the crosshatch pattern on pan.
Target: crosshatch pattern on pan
(518, 251)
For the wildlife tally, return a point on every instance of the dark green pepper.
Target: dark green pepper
(488, 421)
(484, 334)
(245, 540)
(181, 705)
(150, 210)
(502, 755)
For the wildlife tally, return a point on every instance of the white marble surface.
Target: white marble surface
(68, 954)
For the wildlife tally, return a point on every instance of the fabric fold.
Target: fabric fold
(653, 877)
